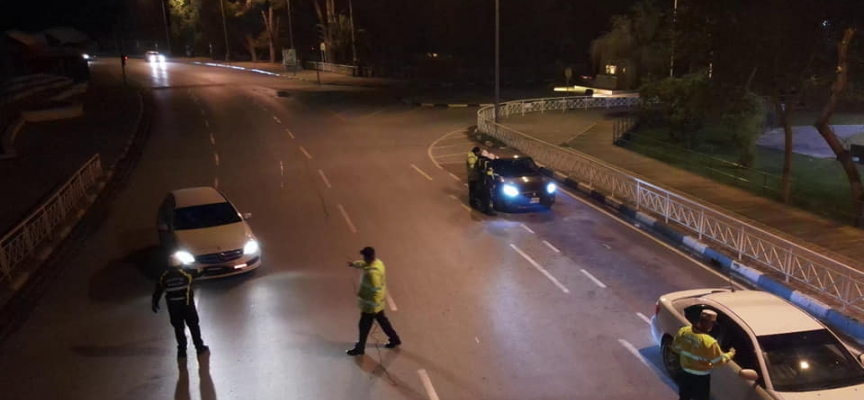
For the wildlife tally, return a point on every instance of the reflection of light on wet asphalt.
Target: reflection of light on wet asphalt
(159, 73)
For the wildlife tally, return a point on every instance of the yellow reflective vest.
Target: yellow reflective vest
(373, 286)
(699, 352)
(471, 165)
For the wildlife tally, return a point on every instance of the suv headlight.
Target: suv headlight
(251, 247)
(510, 191)
(551, 188)
(184, 257)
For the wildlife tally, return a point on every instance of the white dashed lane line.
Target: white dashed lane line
(305, 153)
(291, 135)
(216, 158)
(596, 281)
(347, 218)
(427, 384)
(391, 303)
(540, 268)
(278, 121)
(420, 171)
(643, 317)
(525, 227)
(324, 178)
(549, 245)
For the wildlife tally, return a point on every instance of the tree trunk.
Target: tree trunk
(250, 44)
(843, 155)
(786, 180)
(271, 33)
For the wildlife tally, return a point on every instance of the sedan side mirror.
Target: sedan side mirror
(748, 375)
(247, 215)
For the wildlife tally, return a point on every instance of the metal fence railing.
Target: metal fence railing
(20, 243)
(820, 274)
(349, 70)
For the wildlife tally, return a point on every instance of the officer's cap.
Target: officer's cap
(708, 315)
(368, 251)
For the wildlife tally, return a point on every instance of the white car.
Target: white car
(783, 353)
(202, 230)
(154, 56)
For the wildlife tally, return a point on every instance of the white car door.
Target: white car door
(725, 382)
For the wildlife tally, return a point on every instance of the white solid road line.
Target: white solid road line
(597, 281)
(306, 153)
(541, 269)
(549, 245)
(326, 182)
(429, 149)
(347, 218)
(291, 135)
(454, 177)
(525, 227)
(421, 172)
(216, 158)
(275, 118)
(427, 384)
(391, 303)
(643, 317)
(647, 235)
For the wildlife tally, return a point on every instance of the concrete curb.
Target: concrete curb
(848, 325)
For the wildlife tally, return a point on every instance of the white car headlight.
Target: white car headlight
(184, 257)
(510, 190)
(85, 56)
(161, 58)
(251, 247)
(551, 188)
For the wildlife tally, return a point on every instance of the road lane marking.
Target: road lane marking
(455, 177)
(465, 207)
(206, 123)
(635, 352)
(212, 139)
(391, 303)
(202, 112)
(549, 245)
(541, 269)
(291, 135)
(216, 182)
(326, 182)
(597, 281)
(216, 158)
(647, 235)
(608, 247)
(466, 185)
(275, 118)
(421, 172)
(450, 155)
(429, 150)
(427, 384)
(347, 218)
(454, 197)
(644, 318)
(525, 227)
(306, 153)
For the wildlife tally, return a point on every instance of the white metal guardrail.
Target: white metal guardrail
(20, 242)
(765, 250)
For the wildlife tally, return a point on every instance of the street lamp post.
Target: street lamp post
(225, 29)
(674, 31)
(353, 46)
(497, 58)
(167, 29)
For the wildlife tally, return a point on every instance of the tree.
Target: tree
(185, 20)
(334, 31)
(271, 22)
(684, 104)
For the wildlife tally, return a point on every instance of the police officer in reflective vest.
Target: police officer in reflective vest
(177, 286)
(485, 186)
(371, 296)
(699, 353)
(473, 175)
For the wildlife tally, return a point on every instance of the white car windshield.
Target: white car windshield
(205, 216)
(807, 361)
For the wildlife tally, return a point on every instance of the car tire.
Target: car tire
(671, 360)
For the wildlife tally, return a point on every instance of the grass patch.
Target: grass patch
(819, 185)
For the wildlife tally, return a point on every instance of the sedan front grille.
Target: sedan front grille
(218, 258)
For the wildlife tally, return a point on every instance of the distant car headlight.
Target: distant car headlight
(151, 58)
(551, 188)
(510, 190)
(251, 247)
(161, 58)
(184, 257)
(85, 56)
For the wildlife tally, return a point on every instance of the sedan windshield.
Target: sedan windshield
(807, 361)
(205, 216)
(510, 167)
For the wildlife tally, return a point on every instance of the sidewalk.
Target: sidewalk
(327, 78)
(47, 153)
(842, 242)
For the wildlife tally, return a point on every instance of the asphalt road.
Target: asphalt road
(548, 305)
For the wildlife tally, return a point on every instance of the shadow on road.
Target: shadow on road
(121, 280)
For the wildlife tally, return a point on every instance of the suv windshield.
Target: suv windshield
(807, 361)
(205, 216)
(509, 167)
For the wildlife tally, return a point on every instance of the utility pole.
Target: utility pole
(674, 31)
(353, 46)
(291, 35)
(167, 29)
(225, 28)
(497, 58)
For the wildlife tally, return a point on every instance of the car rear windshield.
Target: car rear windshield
(205, 216)
(515, 167)
(807, 361)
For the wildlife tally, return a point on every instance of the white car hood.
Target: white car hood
(215, 239)
(844, 393)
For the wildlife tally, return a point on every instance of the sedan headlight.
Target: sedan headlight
(184, 257)
(85, 56)
(551, 188)
(161, 58)
(510, 191)
(251, 247)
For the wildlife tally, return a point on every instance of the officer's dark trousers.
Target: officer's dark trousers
(365, 326)
(694, 387)
(472, 192)
(182, 314)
